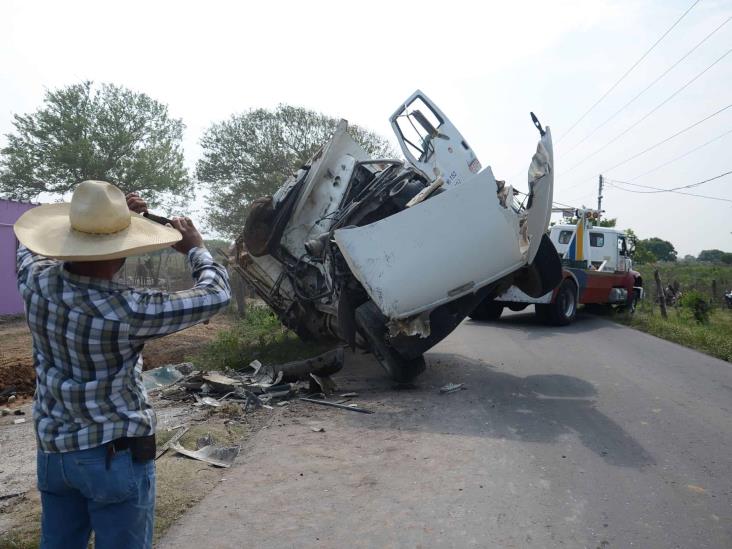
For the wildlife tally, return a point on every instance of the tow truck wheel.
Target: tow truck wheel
(564, 307)
(632, 303)
(487, 310)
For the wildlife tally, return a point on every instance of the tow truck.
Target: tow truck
(597, 270)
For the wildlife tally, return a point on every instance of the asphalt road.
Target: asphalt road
(592, 435)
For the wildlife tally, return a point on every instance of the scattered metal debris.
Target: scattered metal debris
(18, 421)
(452, 388)
(256, 386)
(218, 456)
(175, 438)
(207, 401)
(352, 407)
(157, 378)
(7, 392)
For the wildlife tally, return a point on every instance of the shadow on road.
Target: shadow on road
(526, 322)
(537, 408)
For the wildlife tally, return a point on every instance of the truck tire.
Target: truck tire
(369, 321)
(632, 304)
(487, 310)
(563, 309)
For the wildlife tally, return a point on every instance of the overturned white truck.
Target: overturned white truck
(391, 255)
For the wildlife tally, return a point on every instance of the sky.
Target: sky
(485, 64)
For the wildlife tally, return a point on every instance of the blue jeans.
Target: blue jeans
(79, 494)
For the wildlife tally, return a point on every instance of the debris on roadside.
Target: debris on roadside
(174, 439)
(5, 412)
(452, 388)
(258, 385)
(19, 421)
(8, 393)
(317, 429)
(164, 376)
(352, 407)
(220, 456)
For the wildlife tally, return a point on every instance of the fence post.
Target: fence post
(661, 295)
(714, 291)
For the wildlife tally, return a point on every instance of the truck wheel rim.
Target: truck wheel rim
(568, 304)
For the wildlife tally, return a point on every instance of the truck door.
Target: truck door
(431, 143)
(624, 262)
(541, 190)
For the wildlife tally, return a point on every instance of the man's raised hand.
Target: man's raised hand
(191, 237)
(135, 203)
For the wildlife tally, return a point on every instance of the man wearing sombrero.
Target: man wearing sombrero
(94, 423)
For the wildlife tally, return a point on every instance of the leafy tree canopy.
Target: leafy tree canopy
(716, 256)
(252, 154)
(105, 132)
(661, 250)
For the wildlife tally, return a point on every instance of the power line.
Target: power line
(649, 113)
(719, 199)
(614, 183)
(642, 57)
(687, 153)
(649, 86)
(648, 149)
(659, 190)
(562, 204)
(686, 129)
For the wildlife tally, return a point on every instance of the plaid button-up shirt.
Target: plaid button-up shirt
(88, 335)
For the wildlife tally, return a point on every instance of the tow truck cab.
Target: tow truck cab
(609, 249)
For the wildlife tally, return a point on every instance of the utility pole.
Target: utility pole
(599, 195)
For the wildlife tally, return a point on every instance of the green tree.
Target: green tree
(641, 254)
(251, 154)
(102, 132)
(716, 256)
(661, 250)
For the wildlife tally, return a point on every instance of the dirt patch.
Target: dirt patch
(16, 361)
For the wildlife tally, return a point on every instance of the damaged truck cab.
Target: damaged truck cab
(391, 255)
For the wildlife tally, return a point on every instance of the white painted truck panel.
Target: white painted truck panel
(541, 180)
(324, 188)
(447, 154)
(441, 249)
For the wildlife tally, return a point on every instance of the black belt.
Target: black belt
(141, 448)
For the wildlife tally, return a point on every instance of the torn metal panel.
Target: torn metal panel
(541, 193)
(218, 456)
(407, 262)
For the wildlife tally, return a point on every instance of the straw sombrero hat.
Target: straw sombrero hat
(95, 225)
